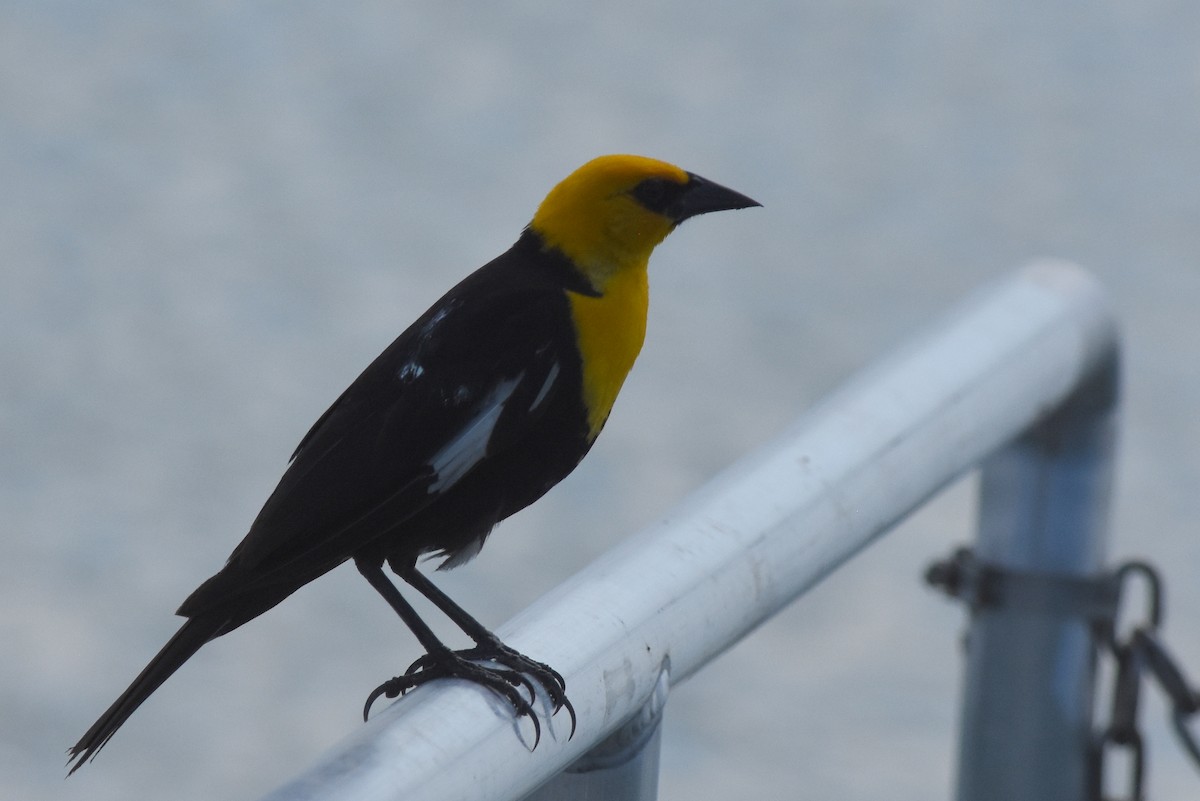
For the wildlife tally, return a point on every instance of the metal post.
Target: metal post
(624, 767)
(1027, 712)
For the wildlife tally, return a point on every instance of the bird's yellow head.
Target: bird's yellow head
(610, 213)
(606, 218)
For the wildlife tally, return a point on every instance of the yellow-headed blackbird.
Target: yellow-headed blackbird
(487, 401)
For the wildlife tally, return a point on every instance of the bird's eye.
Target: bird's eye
(656, 194)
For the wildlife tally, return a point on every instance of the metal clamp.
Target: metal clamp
(982, 585)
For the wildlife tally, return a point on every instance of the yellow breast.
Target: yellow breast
(610, 330)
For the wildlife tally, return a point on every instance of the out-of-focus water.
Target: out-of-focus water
(214, 215)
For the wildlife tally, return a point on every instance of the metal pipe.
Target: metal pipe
(624, 766)
(1026, 731)
(753, 539)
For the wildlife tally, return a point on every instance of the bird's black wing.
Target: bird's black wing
(470, 378)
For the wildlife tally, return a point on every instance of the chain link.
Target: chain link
(1138, 654)
(1122, 733)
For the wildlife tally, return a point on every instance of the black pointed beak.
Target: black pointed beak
(700, 196)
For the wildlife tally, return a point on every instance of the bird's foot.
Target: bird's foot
(513, 673)
(516, 665)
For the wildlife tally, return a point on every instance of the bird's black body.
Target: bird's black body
(482, 405)
(362, 483)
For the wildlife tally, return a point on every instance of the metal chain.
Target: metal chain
(1141, 652)
(1122, 733)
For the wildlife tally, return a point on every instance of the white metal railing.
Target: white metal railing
(1020, 379)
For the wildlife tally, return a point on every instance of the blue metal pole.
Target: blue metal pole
(1044, 500)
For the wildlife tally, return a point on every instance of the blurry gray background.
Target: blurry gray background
(215, 214)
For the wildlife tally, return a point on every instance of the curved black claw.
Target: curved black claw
(457, 664)
(514, 677)
(388, 688)
(514, 671)
(551, 680)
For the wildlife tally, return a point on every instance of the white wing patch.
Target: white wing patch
(545, 390)
(469, 446)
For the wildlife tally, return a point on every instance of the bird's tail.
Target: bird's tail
(178, 649)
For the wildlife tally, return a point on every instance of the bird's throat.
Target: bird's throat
(610, 331)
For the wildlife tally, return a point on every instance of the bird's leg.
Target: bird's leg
(488, 646)
(439, 661)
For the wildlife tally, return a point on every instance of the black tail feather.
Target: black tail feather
(178, 650)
